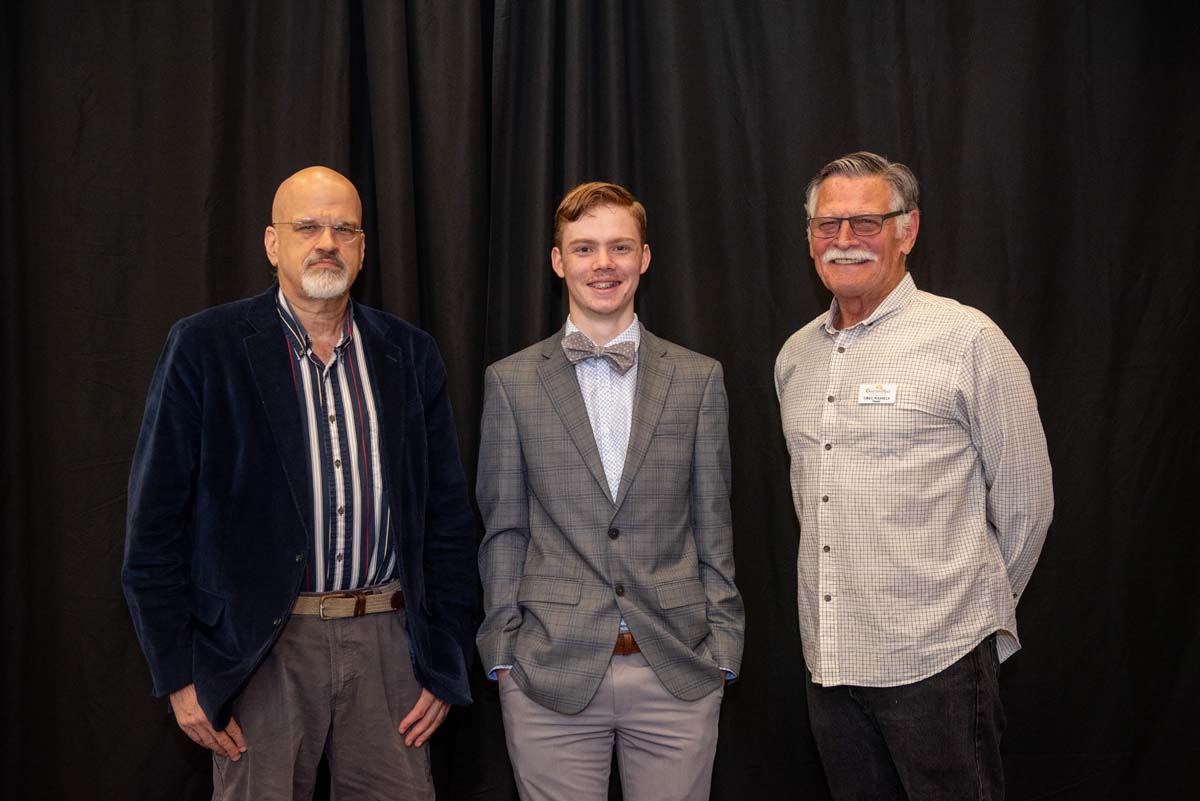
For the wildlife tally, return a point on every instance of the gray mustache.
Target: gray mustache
(325, 255)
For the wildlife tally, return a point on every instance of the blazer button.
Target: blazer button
(613, 533)
(300, 556)
(276, 621)
(620, 590)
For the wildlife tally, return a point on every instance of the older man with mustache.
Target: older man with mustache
(300, 554)
(921, 481)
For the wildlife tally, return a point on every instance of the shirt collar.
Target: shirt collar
(299, 336)
(631, 334)
(897, 299)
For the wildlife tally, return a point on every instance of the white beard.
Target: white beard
(325, 283)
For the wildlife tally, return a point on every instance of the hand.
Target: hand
(501, 675)
(195, 724)
(426, 715)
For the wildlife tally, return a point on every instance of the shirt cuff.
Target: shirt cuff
(492, 673)
(730, 676)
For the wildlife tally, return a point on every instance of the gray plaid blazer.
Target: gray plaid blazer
(561, 562)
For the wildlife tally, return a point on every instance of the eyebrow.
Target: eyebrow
(310, 218)
(588, 241)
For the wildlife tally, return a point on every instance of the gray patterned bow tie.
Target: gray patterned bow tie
(578, 347)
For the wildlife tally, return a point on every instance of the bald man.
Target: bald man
(300, 553)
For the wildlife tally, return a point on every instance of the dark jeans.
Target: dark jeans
(938, 738)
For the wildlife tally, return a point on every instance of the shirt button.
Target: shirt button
(613, 533)
(337, 463)
(620, 590)
(332, 418)
(825, 549)
(339, 557)
(341, 510)
(824, 499)
(828, 597)
(830, 399)
(827, 446)
(841, 349)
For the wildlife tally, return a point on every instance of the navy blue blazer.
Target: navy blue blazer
(217, 538)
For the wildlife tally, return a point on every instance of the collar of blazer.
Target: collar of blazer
(655, 369)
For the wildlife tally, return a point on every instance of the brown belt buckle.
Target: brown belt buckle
(360, 603)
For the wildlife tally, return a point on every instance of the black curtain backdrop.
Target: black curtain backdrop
(1057, 145)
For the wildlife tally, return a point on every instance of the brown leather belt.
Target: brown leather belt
(334, 605)
(626, 645)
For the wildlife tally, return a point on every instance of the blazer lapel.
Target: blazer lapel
(385, 360)
(268, 353)
(653, 382)
(558, 378)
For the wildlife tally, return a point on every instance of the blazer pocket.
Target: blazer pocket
(206, 607)
(544, 589)
(681, 592)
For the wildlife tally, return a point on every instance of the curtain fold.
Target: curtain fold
(1057, 148)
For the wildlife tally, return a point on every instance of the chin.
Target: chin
(323, 286)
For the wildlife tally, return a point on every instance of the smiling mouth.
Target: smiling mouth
(849, 261)
(604, 284)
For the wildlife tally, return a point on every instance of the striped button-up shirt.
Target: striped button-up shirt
(921, 481)
(353, 542)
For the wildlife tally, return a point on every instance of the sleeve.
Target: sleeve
(1007, 432)
(503, 502)
(156, 572)
(450, 536)
(712, 526)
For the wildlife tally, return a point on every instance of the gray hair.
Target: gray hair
(864, 165)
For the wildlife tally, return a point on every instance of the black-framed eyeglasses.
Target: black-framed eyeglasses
(308, 229)
(860, 224)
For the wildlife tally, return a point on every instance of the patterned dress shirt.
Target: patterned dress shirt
(921, 480)
(353, 543)
(608, 396)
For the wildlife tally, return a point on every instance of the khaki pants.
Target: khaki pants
(665, 746)
(332, 687)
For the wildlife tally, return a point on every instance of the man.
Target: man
(607, 562)
(300, 552)
(922, 485)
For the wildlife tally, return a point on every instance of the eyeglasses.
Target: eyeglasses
(860, 224)
(307, 229)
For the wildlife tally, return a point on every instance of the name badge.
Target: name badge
(876, 393)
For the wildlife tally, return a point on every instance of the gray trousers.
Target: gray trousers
(665, 746)
(333, 687)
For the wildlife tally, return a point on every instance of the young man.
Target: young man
(607, 563)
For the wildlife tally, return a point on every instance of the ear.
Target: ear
(556, 262)
(811, 254)
(645, 259)
(271, 245)
(910, 236)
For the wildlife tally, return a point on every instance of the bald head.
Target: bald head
(301, 187)
(314, 240)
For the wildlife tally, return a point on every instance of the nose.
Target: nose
(326, 239)
(603, 257)
(845, 235)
